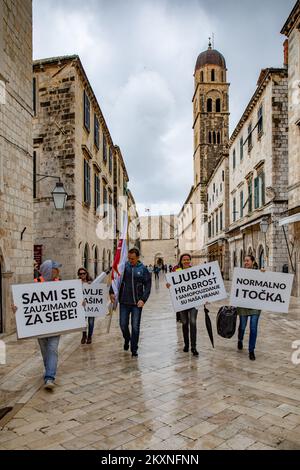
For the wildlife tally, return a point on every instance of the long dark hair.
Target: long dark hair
(255, 265)
(88, 277)
(181, 257)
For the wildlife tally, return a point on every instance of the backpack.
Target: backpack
(226, 321)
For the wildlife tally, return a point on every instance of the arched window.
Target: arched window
(261, 257)
(86, 256)
(209, 137)
(214, 138)
(209, 105)
(103, 260)
(241, 258)
(218, 105)
(96, 260)
(218, 138)
(234, 259)
(213, 75)
(250, 251)
(223, 77)
(202, 77)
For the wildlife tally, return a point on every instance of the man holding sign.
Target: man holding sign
(45, 310)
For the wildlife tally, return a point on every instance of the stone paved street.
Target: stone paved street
(164, 399)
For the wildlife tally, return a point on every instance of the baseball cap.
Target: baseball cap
(56, 265)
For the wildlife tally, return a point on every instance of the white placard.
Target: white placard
(95, 296)
(195, 286)
(254, 289)
(48, 308)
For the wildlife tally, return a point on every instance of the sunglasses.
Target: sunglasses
(82, 274)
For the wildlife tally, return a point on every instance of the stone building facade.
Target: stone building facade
(258, 177)
(157, 240)
(291, 224)
(218, 215)
(72, 141)
(16, 205)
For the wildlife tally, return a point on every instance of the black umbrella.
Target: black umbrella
(208, 326)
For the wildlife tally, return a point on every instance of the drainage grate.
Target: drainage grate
(4, 411)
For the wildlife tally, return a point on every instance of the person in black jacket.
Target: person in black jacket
(134, 292)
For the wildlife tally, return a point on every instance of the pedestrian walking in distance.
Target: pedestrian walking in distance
(134, 292)
(188, 317)
(83, 274)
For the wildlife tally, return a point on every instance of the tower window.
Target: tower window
(209, 137)
(214, 138)
(233, 159)
(218, 105)
(202, 77)
(213, 75)
(218, 138)
(209, 105)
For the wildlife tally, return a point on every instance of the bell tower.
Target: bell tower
(210, 116)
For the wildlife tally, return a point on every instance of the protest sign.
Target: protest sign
(48, 308)
(95, 296)
(261, 290)
(195, 286)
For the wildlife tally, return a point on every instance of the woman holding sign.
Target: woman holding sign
(49, 271)
(83, 274)
(188, 317)
(245, 313)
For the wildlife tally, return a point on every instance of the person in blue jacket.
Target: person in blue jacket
(134, 292)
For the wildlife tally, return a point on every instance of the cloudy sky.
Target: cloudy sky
(140, 56)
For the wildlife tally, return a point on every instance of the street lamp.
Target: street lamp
(59, 194)
(264, 225)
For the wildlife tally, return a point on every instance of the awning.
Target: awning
(290, 220)
(254, 222)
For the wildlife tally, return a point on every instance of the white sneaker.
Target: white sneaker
(49, 385)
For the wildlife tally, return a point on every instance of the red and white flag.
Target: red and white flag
(119, 262)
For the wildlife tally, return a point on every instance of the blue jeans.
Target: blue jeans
(49, 350)
(253, 329)
(189, 326)
(136, 313)
(91, 323)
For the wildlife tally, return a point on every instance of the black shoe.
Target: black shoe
(252, 356)
(83, 339)
(186, 349)
(134, 354)
(195, 352)
(240, 345)
(126, 345)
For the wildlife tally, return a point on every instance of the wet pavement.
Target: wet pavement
(165, 398)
